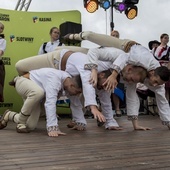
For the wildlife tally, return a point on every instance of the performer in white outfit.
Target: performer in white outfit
(2, 67)
(128, 73)
(154, 83)
(133, 100)
(54, 42)
(138, 55)
(74, 65)
(2, 41)
(32, 87)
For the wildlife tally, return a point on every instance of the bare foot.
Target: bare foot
(55, 133)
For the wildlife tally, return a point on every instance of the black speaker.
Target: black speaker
(67, 28)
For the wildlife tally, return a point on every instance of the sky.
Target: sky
(151, 22)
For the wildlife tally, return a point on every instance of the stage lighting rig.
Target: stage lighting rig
(127, 6)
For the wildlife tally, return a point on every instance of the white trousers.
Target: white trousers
(32, 94)
(45, 60)
(104, 40)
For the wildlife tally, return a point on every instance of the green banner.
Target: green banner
(24, 33)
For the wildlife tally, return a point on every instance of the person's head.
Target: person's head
(73, 85)
(164, 38)
(153, 44)
(1, 27)
(134, 74)
(102, 76)
(54, 33)
(159, 76)
(115, 33)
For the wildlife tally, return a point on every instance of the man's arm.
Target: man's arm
(111, 81)
(162, 103)
(117, 66)
(89, 94)
(109, 54)
(52, 88)
(117, 59)
(97, 114)
(132, 103)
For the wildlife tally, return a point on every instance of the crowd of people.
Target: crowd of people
(81, 74)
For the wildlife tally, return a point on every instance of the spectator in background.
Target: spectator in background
(2, 68)
(114, 95)
(162, 51)
(115, 33)
(50, 46)
(162, 54)
(153, 44)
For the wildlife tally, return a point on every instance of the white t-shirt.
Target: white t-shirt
(50, 46)
(51, 81)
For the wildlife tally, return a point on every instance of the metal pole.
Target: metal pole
(112, 23)
(28, 5)
(23, 4)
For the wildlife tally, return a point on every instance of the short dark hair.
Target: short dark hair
(163, 72)
(77, 80)
(107, 73)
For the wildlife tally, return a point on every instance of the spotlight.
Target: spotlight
(131, 12)
(120, 6)
(92, 6)
(105, 4)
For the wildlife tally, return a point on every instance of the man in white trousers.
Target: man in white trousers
(130, 75)
(33, 87)
(73, 63)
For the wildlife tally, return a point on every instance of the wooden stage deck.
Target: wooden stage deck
(93, 149)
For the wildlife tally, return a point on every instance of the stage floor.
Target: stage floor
(93, 149)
